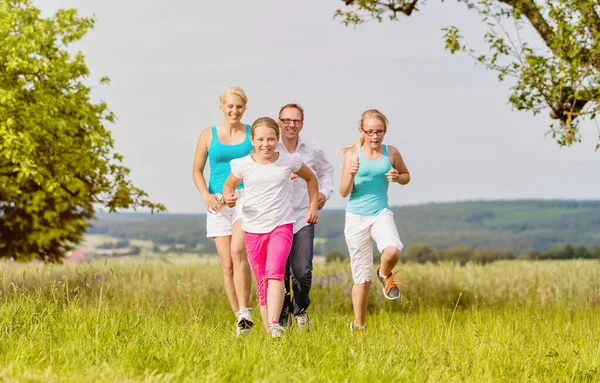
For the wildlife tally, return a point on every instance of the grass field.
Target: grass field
(169, 321)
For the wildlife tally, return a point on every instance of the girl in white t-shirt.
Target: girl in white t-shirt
(267, 213)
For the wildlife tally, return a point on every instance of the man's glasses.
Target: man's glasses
(371, 133)
(288, 121)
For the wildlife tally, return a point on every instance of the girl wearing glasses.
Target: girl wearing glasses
(219, 145)
(369, 167)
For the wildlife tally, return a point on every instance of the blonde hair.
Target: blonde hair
(231, 91)
(266, 122)
(370, 113)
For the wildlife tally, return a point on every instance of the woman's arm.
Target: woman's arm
(200, 158)
(231, 183)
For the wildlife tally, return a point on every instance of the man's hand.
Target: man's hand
(321, 200)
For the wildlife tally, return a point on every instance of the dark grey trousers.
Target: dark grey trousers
(299, 269)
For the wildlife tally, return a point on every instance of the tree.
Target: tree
(420, 253)
(56, 157)
(563, 77)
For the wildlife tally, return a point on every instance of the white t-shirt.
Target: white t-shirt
(266, 191)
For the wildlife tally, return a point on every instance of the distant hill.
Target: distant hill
(517, 226)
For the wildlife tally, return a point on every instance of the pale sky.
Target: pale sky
(168, 61)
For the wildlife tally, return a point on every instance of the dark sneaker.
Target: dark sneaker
(285, 319)
(390, 287)
(244, 321)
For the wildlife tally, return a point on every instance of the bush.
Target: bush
(335, 256)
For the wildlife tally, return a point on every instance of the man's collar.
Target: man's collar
(300, 142)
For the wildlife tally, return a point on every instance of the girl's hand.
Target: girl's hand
(213, 204)
(293, 176)
(231, 200)
(354, 165)
(312, 216)
(392, 175)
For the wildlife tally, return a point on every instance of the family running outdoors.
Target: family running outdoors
(263, 196)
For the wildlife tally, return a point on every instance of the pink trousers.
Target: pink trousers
(267, 254)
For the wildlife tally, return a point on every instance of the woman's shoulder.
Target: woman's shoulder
(206, 133)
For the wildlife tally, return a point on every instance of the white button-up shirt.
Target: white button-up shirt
(315, 160)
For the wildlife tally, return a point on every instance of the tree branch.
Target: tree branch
(530, 10)
(406, 8)
(590, 16)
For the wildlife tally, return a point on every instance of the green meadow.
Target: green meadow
(167, 320)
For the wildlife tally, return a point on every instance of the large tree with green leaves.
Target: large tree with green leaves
(563, 76)
(56, 157)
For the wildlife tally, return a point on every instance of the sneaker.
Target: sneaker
(242, 331)
(357, 330)
(244, 322)
(285, 319)
(302, 321)
(276, 330)
(390, 287)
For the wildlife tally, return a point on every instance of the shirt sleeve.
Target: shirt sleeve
(324, 171)
(296, 162)
(236, 167)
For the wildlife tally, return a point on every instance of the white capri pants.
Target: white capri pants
(359, 230)
(221, 224)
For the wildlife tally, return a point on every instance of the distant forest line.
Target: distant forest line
(518, 227)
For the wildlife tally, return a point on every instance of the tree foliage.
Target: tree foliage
(56, 157)
(563, 77)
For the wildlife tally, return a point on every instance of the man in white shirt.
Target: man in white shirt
(299, 265)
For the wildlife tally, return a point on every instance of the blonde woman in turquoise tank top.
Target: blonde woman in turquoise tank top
(369, 168)
(219, 145)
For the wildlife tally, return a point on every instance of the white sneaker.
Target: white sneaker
(276, 330)
(302, 321)
(244, 322)
(356, 329)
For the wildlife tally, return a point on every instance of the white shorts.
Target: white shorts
(359, 230)
(221, 224)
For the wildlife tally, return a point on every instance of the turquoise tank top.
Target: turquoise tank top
(219, 156)
(369, 191)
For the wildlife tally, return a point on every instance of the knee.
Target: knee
(301, 265)
(392, 252)
(365, 285)
(238, 254)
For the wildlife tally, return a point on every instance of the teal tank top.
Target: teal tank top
(369, 191)
(219, 156)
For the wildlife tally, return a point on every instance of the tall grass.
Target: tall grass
(152, 321)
